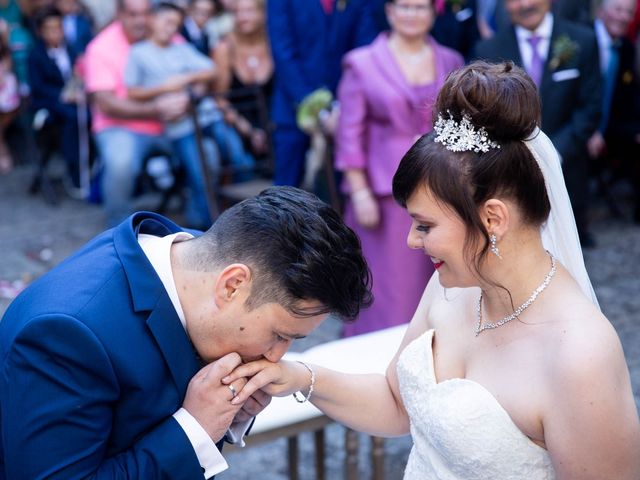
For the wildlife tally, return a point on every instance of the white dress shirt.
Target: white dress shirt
(158, 251)
(61, 57)
(543, 31)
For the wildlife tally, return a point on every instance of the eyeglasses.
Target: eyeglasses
(406, 9)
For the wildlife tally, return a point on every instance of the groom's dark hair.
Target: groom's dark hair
(297, 247)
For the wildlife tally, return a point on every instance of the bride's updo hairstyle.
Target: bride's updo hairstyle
(503, 100)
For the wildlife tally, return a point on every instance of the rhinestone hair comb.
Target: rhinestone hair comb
(462, 136)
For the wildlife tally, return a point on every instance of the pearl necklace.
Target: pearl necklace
(518, 311)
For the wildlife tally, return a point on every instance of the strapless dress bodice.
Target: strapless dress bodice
(459, 430)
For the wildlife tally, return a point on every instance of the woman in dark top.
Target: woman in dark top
(245, 73)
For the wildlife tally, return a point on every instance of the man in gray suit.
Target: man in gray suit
(562, 58)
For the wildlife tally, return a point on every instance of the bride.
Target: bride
(508, 369)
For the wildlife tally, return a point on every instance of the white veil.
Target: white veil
(559, 233)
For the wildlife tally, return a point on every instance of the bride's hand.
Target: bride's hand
(276, 379)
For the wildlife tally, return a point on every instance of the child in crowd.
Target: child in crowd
(163, 64)
(54, 85)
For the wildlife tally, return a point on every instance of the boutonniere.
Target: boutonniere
(341, 5)
(563, 51)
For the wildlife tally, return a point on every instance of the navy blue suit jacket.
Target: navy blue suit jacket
(45, 79)
(308, 47)
(93, 363)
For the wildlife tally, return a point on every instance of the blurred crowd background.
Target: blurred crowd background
(206, 102)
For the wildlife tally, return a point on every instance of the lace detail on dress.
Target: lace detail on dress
(459, 430)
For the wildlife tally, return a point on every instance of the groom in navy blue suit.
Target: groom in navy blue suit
(111, 364)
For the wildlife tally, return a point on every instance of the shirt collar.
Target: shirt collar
(604, 39)
(544, 30)
(158, 251)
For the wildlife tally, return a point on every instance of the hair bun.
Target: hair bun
(502, 98)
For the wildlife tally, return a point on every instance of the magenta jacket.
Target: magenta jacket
(381, 115)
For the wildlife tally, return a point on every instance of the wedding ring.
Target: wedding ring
(233, 391)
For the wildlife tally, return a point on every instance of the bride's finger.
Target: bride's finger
(246, 370)
(257, 381)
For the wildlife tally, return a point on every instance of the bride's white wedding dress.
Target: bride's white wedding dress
(459, 430)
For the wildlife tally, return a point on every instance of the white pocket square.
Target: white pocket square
(563, 75)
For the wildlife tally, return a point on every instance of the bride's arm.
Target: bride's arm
(368, 403)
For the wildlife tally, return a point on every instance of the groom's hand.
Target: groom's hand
(209, 401)
(253, 406)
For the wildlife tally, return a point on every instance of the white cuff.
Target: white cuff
(237, 431)
(210, 458)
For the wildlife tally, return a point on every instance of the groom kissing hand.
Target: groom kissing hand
(111, 363)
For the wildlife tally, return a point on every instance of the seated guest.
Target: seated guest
(194, 29)
(245, 71)
(126, 131)
(617, 140)
(51, 69)
(160, 65)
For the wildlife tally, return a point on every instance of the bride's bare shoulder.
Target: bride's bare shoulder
(584, 343)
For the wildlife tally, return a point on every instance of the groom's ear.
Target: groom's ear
(496, 217)
(233, 283)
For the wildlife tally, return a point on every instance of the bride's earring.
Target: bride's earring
(494, 246)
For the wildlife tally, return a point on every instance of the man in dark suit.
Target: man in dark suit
(111, 364)
(616, 143)
(562, 58)
(308, 40)
(51, 65)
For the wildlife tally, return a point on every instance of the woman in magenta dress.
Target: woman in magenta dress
(386, 96)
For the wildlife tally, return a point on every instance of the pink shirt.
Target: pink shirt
(105, 62)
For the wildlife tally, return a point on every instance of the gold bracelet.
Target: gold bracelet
(299, 396)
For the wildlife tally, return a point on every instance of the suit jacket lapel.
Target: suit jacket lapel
(511, 47)
(545, 83)
(148, 294)
(173, 342)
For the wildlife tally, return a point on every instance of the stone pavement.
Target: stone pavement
(35, 236)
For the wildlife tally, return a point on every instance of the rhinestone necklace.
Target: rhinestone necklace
(518, 311)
